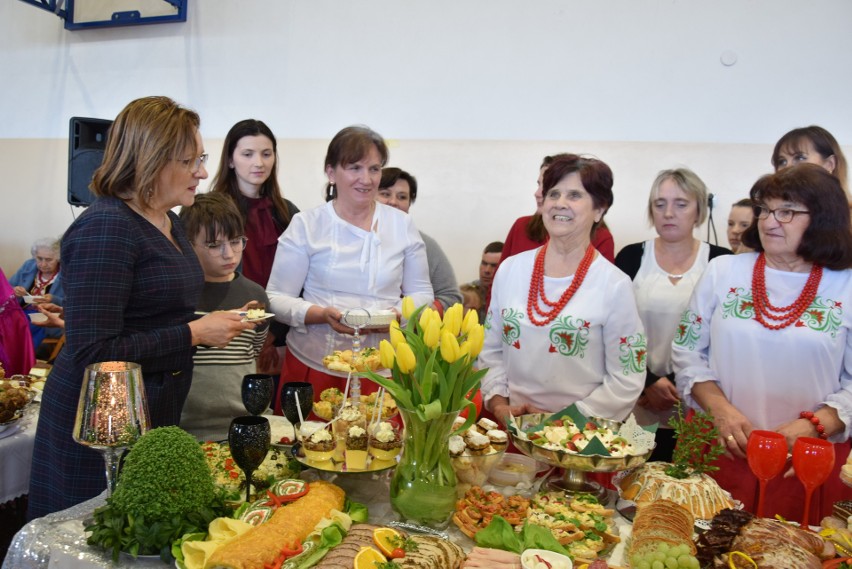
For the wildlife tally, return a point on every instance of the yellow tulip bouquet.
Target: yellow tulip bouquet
(431, 362)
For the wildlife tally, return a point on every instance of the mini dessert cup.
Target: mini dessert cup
(319, 447)
(356, 448)
(385, 444)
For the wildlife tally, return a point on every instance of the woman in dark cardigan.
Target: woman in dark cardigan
(132, 282)
(664, 271)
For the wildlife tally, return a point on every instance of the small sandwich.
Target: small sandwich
(499, 439)
(457, 446)
(484, 425)
(477, 444)
(319, 447)
(356, 448)
(385, 443)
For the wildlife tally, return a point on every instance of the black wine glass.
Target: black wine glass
(249, 438)
(257, 391)
(293, 390)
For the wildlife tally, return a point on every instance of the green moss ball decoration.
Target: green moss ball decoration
(165, 474)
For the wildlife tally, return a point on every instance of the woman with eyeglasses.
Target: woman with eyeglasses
(248, 174)
(766, 340)
(132, 282)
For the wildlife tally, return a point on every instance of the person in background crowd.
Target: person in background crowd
(766, 339)
(487, 270)
(16, 343)
(352, 252)
(740, 218)
(398, 189)
(528, 232)
(248, 173)
(664, 271)
(215, 228)
(472, 300)
(131, 283)
(812, 144)
(39, 279)
(562, 327)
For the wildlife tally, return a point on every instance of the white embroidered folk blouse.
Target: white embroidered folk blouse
(592, 354)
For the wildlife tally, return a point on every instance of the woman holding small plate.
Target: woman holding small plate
(39, 281)
(132, 282)
(348, 254)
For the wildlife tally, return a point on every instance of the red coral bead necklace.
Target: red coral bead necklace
(784, 315)
(537, 295)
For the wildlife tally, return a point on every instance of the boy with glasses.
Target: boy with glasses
(215, 229)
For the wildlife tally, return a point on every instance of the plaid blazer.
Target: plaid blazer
(129, 294)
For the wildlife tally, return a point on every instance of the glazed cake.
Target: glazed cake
(698, 493)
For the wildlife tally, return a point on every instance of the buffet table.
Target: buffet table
(57, 541)
(16, 455)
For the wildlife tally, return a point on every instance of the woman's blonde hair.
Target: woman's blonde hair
(145, 136)
(686, 180)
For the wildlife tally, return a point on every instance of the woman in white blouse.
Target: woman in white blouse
(664, 272)
(765, 340)
(352, 252)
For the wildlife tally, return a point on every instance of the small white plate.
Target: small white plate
(368, 318)
(37, 317)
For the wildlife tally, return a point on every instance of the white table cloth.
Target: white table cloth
(16, 456)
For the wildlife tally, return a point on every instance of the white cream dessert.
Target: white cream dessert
(484, 425)
(457, 446)
(385, 443)
(499, 439)
(319, 447)
(356, 448)
(477, 444)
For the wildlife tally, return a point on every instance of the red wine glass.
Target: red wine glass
(813, 460)
(767, 454)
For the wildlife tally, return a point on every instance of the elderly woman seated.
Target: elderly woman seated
(38, 281)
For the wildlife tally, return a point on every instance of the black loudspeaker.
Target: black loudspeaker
(86, 143)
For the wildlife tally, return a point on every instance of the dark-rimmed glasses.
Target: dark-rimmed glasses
(782, 214)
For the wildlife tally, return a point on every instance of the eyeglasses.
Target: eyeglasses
(196, 164)
(217, 248)
(783, 215)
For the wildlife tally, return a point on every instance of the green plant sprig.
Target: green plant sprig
(697, 444)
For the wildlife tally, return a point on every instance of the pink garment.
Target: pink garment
(16, 344)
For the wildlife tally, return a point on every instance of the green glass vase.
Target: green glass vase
(423, 486)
